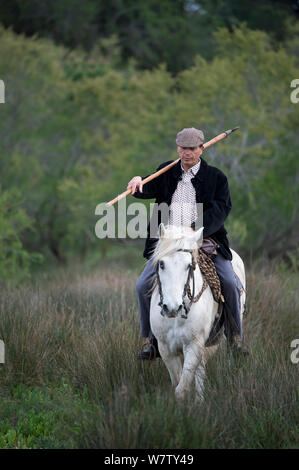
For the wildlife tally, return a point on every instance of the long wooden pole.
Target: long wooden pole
(213, 141)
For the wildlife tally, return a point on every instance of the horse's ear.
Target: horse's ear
(161, 230)
(198, 236)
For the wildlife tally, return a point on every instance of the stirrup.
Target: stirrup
(148, 352)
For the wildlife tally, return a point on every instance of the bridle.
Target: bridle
(187, 289)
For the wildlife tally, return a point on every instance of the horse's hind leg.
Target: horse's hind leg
(173, 364)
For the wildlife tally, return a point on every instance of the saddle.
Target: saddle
(209, 247)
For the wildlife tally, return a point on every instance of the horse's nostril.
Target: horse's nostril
(165, 307)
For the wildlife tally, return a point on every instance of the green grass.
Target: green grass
(40, 417)
(71, 379)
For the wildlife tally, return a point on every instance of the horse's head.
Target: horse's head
(174, 256)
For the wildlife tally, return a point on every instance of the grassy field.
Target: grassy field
(71, 380)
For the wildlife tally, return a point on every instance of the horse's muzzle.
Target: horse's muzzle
(165, 312)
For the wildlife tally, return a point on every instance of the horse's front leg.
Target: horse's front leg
(200, 373)
(193, 368)
(173, 363)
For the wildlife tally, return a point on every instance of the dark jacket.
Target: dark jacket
(211, 188)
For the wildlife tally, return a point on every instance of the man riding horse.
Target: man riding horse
(187, 183)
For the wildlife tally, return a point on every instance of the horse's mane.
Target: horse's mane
(174, 238)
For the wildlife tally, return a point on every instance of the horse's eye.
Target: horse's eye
(162, 265)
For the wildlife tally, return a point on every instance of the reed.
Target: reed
(73, 337)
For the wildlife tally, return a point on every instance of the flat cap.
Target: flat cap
(190, 137)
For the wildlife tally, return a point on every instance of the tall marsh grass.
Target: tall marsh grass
(70, 344)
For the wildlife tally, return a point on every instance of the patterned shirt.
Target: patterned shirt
(183, 210)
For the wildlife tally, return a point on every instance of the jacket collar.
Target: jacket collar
(193, 170)
(200, 175)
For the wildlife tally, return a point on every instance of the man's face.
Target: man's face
(190, 156)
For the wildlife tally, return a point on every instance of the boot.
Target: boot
(151, 352)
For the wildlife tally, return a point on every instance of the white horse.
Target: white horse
(182, 334)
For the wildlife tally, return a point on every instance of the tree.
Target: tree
(248, 84)
(149, 32)
(15, 260)
(77, 127)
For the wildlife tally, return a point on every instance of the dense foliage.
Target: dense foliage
(152, 32)
(77, 126)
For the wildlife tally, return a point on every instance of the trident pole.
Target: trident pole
(213, 141)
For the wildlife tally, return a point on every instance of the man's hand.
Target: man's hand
(135, 183)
